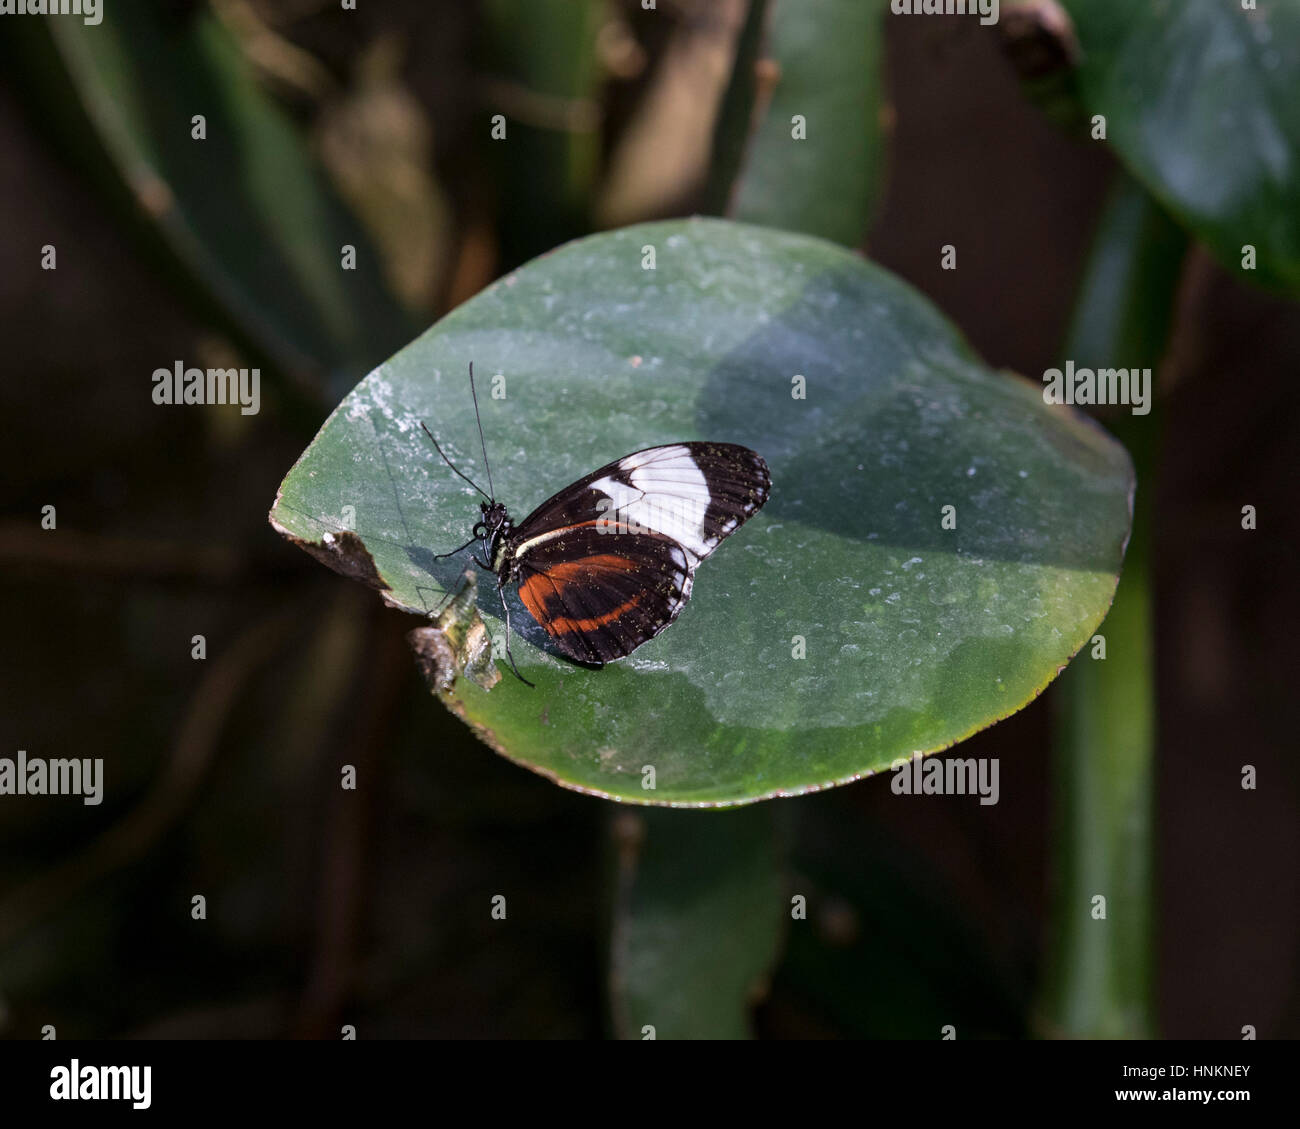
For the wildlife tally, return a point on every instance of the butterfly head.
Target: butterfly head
(494, 525)
(495, 519)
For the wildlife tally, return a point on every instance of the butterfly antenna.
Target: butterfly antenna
(453, 465)
(479, 421)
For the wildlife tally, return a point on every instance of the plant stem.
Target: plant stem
(1100, 979)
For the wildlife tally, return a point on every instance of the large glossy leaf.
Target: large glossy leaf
(1200, 103)
(841, 628)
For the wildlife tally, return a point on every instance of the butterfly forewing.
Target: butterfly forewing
(607, 563)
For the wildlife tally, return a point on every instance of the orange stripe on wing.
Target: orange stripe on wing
(566, 573)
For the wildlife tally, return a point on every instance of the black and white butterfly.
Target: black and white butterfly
(608, 562)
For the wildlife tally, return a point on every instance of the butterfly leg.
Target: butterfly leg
(501, 591)
(443, 556)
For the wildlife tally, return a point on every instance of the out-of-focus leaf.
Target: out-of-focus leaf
(1125, 305)
(840, 629)
(544, 78)
(886, 950)
(698, 919)
(377, 143)
(814, 156)
(735, 120)
(1200, 103)
(1038, 39)
(245, 212)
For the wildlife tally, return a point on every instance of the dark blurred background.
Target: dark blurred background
(325, 908)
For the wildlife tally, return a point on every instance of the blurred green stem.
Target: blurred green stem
(735, 121)
(1100, 977)
(545, 80)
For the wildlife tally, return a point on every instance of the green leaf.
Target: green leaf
(915, 636)
(545, 80)
(245, 213)
(698, 920)
(1124, 310)
(735, 117)
(821, 76)
(1200, 103)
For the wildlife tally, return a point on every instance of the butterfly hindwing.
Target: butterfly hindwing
(608, 562)
(601, 595)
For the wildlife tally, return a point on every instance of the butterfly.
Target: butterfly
(608, 562)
